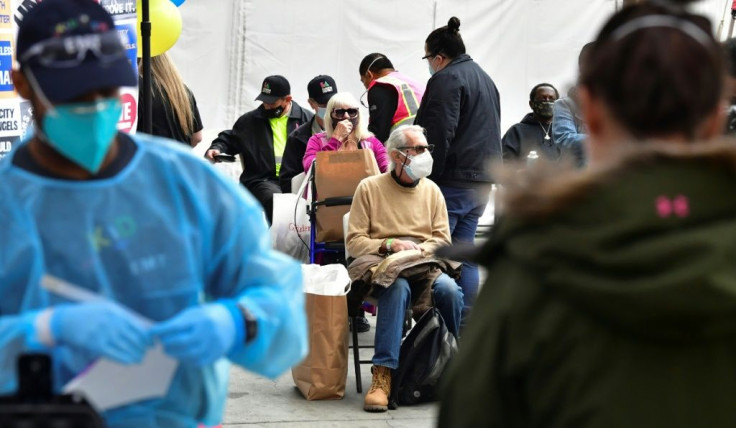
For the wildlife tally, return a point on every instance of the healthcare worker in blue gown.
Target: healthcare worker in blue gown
(138, 221)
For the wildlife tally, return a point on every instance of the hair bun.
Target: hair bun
(453, 24)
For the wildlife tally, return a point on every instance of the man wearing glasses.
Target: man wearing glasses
(392, 213)
(174, 254)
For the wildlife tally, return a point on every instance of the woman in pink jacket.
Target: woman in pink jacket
(344, 130)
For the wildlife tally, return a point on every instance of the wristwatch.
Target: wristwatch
(251, 324)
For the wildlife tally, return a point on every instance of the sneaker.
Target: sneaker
(376, 400)
(361, 324)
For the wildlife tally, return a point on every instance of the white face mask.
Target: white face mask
(420, 167)
(321, 112)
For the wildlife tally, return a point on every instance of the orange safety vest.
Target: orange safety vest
(410, 96)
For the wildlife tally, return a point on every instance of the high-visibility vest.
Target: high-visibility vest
(410, 96)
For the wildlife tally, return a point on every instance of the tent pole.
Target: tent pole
(145, 41)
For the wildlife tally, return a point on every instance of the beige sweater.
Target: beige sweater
(383, 209)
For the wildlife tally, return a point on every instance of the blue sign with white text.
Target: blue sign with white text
(6, 65)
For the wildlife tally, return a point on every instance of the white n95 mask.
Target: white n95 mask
(420, 166)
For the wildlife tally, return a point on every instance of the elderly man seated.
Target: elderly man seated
(395, 213)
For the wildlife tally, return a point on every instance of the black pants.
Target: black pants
(264, 191)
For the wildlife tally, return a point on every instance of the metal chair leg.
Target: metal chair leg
(356, 357)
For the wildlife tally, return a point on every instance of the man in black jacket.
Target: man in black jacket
(320, 90)
(533, 133)
(259, 136)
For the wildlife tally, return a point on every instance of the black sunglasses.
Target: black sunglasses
(340, 112)
(418, 149)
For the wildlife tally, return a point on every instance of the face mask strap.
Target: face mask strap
(403, 165)
(50, 110)
(368, 70)
(39, 92)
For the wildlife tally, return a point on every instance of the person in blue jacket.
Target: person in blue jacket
(568, 127)
(155, 231)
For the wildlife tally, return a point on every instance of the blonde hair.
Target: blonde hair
(169, 83)
(346, 100)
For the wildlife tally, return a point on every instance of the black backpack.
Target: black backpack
(424, 356)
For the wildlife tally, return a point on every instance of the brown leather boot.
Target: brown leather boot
(376, 400)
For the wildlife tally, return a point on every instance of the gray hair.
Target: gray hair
(398, 139)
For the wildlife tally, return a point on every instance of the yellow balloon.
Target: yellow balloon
(165, 26)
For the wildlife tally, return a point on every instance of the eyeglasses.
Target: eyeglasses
(71, 51)
(340, 112)
(428, 56)
(418, 149)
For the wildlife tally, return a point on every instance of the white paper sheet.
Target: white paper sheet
(107, 384)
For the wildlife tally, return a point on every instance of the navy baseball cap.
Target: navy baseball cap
(322, 88)
(273, 88)
(71, 47)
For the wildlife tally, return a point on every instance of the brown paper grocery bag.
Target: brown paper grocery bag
(322, 375)
(338, 174)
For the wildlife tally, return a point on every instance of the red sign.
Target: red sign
(130, 113)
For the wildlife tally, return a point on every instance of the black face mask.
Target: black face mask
(543, 109)
(353, 120)
(274, 113)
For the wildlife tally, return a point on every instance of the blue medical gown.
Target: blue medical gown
(168, 232)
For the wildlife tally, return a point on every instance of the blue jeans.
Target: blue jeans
(392, 305)
(464, 208)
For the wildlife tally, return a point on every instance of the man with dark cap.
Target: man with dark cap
(151, 245)
(392, 98)
(259, 136)
(320, 90)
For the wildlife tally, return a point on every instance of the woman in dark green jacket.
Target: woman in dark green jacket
(611, 292)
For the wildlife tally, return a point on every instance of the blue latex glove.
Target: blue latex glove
(102, 329)
(201, 335)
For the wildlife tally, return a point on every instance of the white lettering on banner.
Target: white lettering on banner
(116, 8)
(6, 50)
(5, 147)
(124, 38)
(126, 112)
(5, 78)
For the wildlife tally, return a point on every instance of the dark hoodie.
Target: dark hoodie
(610, 300)
(526, 136)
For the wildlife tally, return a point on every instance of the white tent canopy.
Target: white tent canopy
(227, 49)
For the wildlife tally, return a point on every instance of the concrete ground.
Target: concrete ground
(254, 401)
